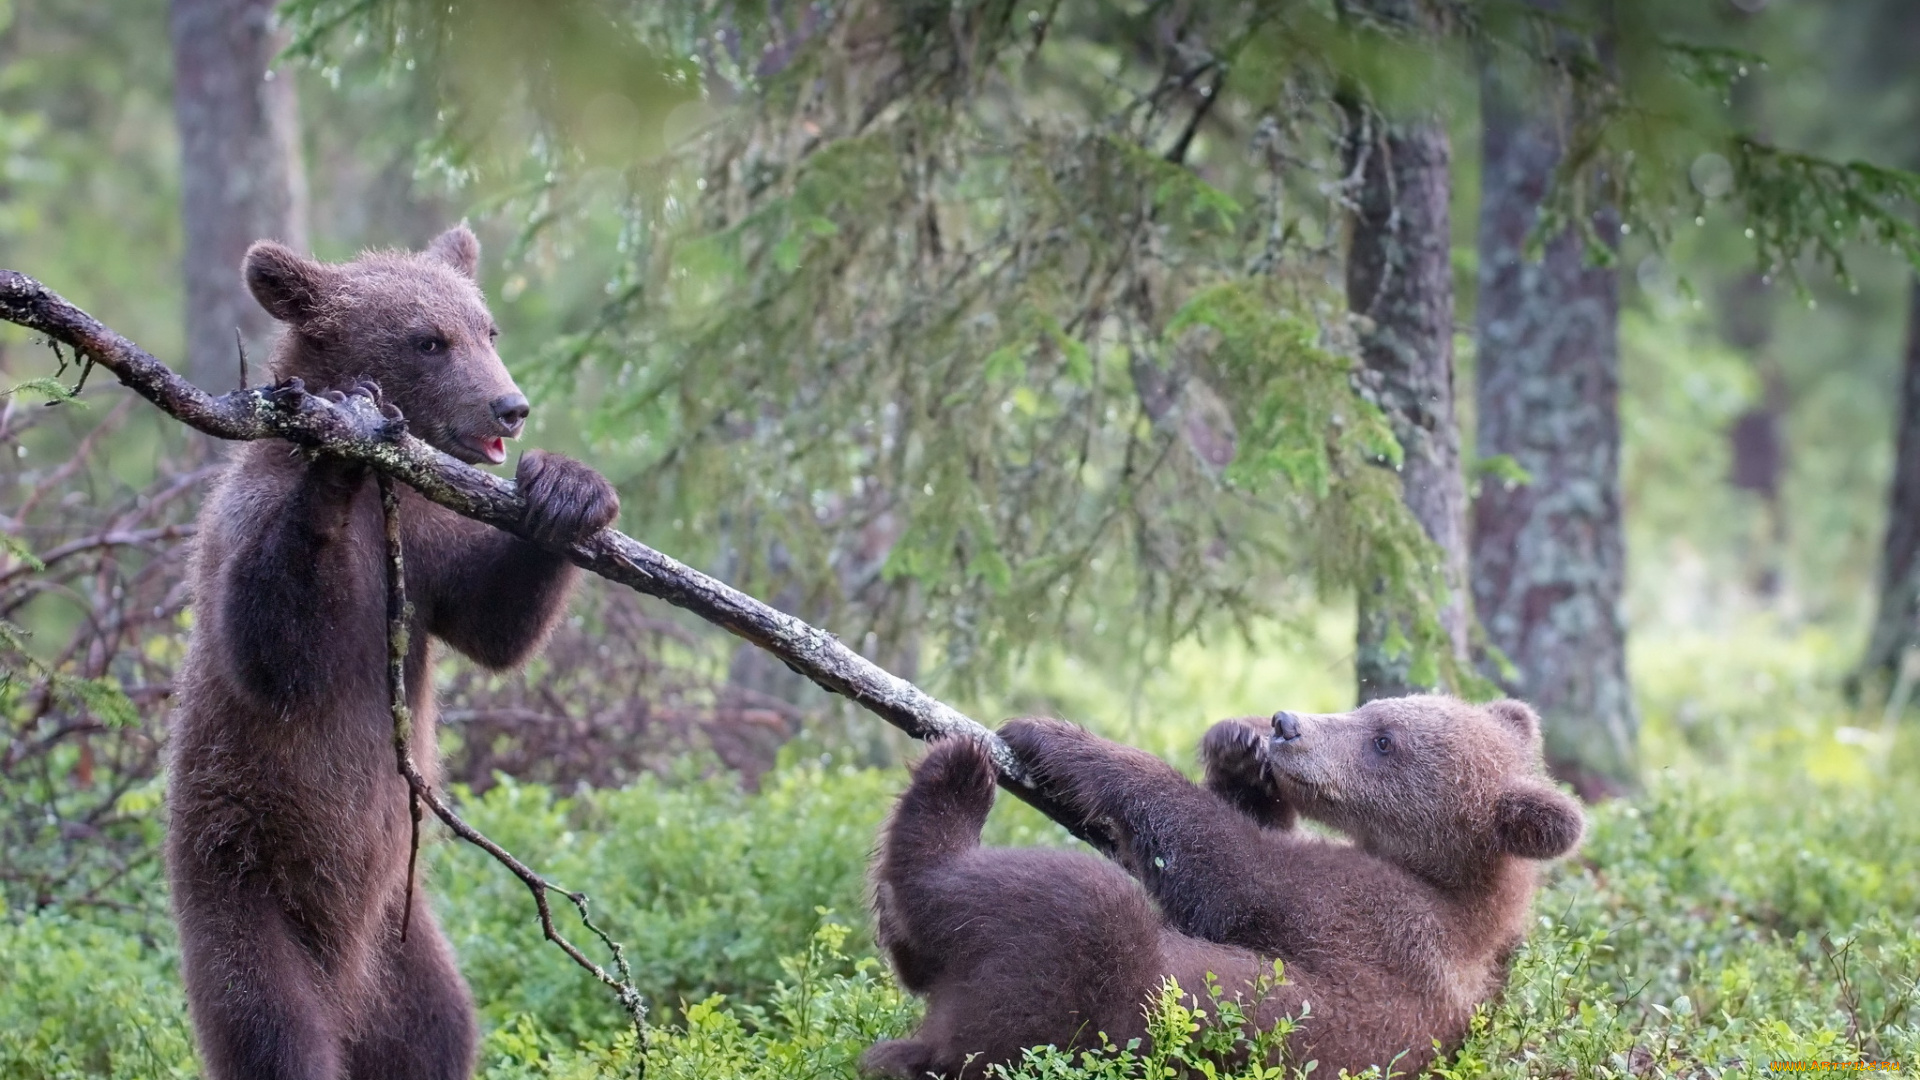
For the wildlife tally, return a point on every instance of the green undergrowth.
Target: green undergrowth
(1758, 901)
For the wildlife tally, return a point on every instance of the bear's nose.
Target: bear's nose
(1286, 726)
(511, 411)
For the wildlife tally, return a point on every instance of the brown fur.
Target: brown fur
(1392, 939)
(289, 832)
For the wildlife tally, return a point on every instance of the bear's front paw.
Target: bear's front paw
(566, 500)
(1235, 750)
(288, 395)
(1234, 753)
(369, 409)
(1036, 740)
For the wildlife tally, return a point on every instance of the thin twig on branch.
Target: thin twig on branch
(399, 631)
(352, 430)
(132, 538)
(399, 623)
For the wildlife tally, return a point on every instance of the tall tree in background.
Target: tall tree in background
(1885, 59)
(240, 171)
(1400, 279)
(1756, 440)
(1899, 601)
(1548, 554)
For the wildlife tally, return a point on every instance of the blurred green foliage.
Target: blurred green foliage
(899, 357)
(901, 328)
(77, 79)
(86, 998)
(950, 326)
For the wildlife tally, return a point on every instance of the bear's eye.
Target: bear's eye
(430, 344)
(493, 333)
(1384, 744)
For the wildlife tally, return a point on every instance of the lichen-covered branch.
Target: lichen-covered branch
(399, 630)
(355, 430)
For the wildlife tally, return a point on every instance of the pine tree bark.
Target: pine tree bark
(1548, 555)
(1898, 611)
(1885, 58)
(240, 172)
(1400, 280)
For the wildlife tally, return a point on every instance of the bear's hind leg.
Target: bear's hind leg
(422, 1026)
(254, 994)
(898, 1059)
(936, 821)
(939, 816)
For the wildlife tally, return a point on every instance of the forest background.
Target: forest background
(1017, 344)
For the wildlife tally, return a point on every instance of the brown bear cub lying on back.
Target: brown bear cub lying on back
(1391, 939)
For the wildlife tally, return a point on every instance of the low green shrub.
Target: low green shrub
(708, 886)
(1757, 902)
(80, 998)
(1709, 933)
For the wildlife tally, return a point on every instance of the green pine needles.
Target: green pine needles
(962, 326)
(963, 333)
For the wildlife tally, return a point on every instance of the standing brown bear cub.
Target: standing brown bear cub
(1389, 941)
(288, 844)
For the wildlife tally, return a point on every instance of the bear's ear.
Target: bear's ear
(1535, 821)
(291, 288)
(458, 248)
(1518, 716)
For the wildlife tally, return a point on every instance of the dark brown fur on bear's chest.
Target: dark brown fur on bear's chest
(311, 794)
(1389, 940)
(289, 828)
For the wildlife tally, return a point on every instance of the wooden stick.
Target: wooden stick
(355, 430)
(399, 630)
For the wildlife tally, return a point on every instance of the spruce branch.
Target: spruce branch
(356, 430)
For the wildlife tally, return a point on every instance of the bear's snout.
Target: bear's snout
(510, 412)
(1286, 726)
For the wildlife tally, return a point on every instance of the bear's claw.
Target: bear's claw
(1234, 754)
(1234, 748)
(381, 422)
(1036, 739)
(566, 500)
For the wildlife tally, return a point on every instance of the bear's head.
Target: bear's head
(413, 323)
(1440, 787)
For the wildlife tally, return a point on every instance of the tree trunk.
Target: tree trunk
(1899, 607)
(1400, 278)
(1548, 555)
(240, 173)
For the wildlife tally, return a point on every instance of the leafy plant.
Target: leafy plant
(1708, 924)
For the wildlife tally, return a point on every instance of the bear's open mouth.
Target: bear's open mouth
(489, 448)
